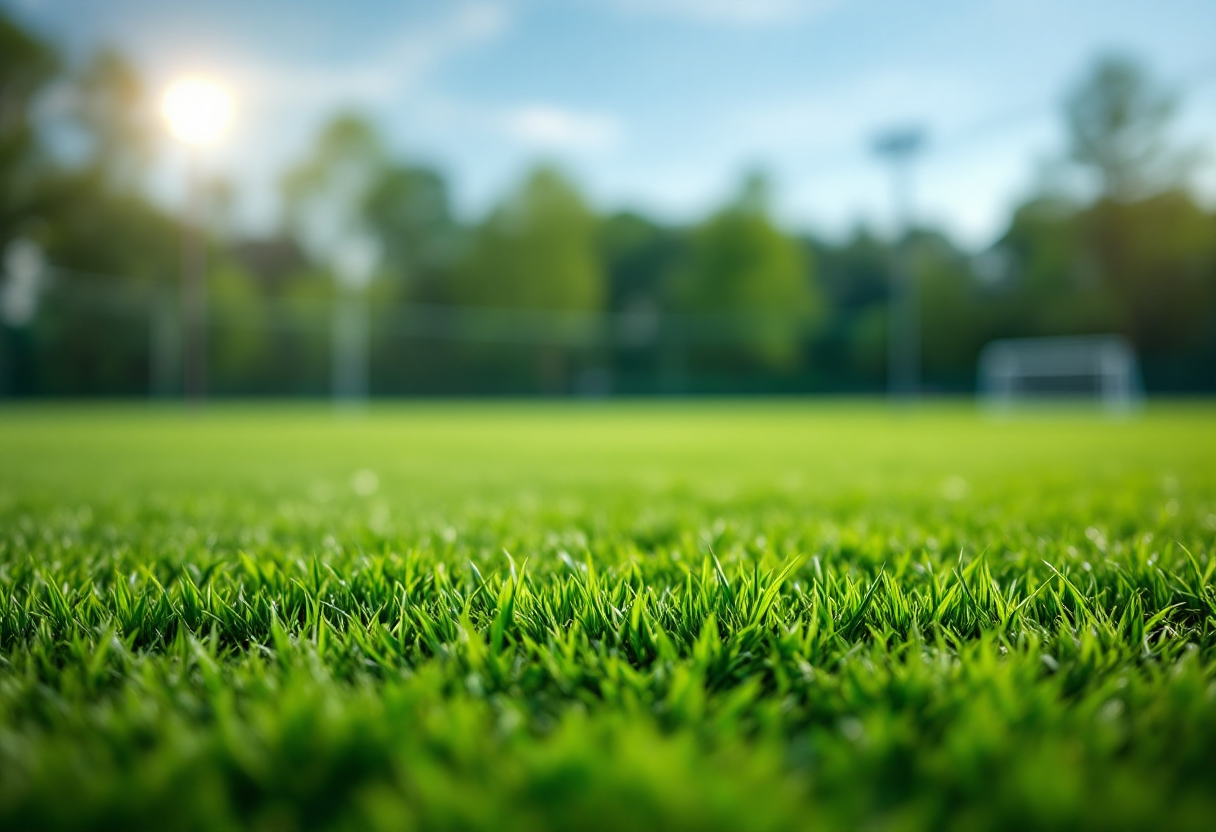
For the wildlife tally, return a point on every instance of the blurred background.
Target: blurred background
(605, 197)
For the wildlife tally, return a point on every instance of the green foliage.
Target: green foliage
(408, 208)
(238, 350)
(1157, 256)
(955, 320)
(27, 66)
(1146, 268)
(1117, 120)
(536, 251)
(325, 195)
(111, 109)
(116, 234)
(743, 271)
(535, 259)
(768, 616)
(638, 256)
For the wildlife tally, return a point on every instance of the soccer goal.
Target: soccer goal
(1090, 368)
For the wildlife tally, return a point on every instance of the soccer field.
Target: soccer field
(702, 615)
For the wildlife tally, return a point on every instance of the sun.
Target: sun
(197, 111)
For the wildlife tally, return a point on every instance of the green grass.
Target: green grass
(558, 616)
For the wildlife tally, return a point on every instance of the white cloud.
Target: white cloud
(546, 127)
(392, 70)
(731, 12)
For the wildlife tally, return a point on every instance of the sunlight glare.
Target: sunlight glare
(197, 111)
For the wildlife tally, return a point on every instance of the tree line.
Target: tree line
(547, 294)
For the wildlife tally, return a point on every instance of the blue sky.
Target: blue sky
(662, 104)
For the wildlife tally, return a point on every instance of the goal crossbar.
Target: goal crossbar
(1103, 368)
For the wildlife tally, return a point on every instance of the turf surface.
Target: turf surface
(559, 616)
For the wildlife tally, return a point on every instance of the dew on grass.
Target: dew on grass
(364, 482)
(955, 488)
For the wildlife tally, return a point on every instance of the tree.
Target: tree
(536, 251)
(1117, 119)
(749, 278)
(1144, 268)
(107, 241)
(325, 196)
(409, 210)
(638, 255)
(99, 217)
(536, 256)
(1145, 245)
(110, 110)
(27, 66)
(856, 274)
(953, 320)
(1158, 256)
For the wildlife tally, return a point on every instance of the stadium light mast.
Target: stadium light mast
(197, 113)
(899, 148)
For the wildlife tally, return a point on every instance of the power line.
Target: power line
(987, 127)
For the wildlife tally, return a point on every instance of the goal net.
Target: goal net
(1098, 369)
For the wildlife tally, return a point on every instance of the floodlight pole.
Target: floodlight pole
(194, 297)
(903, 342)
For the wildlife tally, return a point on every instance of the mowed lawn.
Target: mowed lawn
(693, 615)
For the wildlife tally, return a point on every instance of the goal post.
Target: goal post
(1101, 369)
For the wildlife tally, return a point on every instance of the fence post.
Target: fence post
(164, 344)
